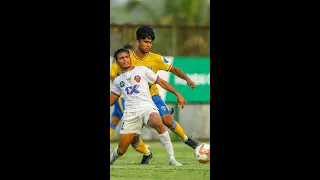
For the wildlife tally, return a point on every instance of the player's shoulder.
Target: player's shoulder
(118, 78)
(140, 68)
(155, 55)
(158, 57)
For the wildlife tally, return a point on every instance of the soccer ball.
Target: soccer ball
(202, 153)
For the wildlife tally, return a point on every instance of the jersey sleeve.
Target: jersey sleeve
(163, 63)
(116, 89)
(151, 77)
(113, 70)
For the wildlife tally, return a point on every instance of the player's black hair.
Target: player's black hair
(117, 52)
(128, 46)
(145, 31)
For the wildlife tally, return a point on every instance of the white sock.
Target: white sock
(114, 156)
(167, 144)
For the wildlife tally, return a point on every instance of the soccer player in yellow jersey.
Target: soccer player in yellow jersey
(143, 57)
(119, 104)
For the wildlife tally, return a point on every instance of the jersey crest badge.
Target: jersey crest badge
(137, 78)
(165, 60)
(121, 84)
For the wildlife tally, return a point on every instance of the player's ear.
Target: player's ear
(137, 42)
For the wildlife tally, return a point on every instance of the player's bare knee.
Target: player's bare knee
(154, 120)
(167, 120)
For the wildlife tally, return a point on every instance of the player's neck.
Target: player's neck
(128, 69)
(139, 54)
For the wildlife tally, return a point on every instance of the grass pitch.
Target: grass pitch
(128, 166)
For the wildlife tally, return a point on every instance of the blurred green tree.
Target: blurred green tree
(179, 41)
(178, 12)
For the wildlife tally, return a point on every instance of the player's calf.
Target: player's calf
(114, 156)
(175, 127)
(156, 122)
(168, 121)
(124, 142)
(139, 146)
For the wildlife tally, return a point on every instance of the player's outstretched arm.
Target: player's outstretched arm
(113, 98)
(165, 85)
(178, 72)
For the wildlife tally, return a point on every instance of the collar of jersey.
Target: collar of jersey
(128, 71)
(134, 54)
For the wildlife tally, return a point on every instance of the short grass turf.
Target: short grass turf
(128, 166)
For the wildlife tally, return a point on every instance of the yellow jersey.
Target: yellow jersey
(153, 61)
(114, 74)
(113, 70)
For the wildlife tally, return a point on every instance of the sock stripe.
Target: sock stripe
(174, 125)
(136, 144)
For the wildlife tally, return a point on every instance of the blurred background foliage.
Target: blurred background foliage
(182, 27)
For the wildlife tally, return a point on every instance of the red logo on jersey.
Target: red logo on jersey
(137, 78)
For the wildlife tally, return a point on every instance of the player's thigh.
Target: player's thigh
(152, 118)
(162, 107)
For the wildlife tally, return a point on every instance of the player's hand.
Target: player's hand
(181, 101)
(191, 84)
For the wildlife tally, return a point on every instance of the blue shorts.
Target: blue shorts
(118, 108)
(162, 107)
